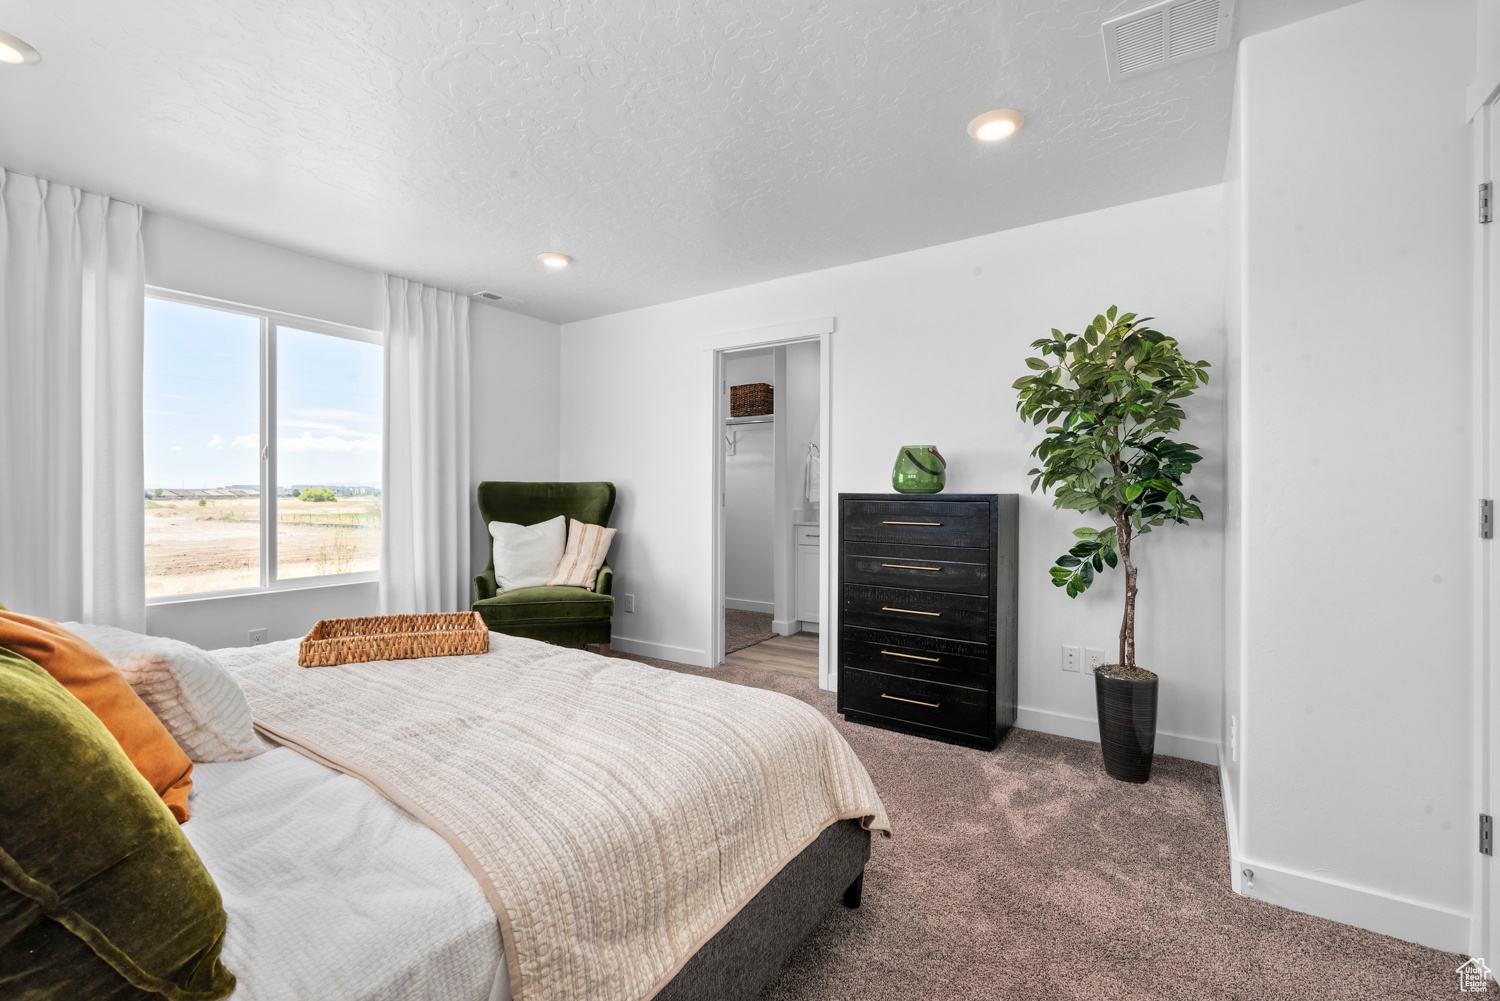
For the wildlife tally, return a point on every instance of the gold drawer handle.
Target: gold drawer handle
(911, 656)
(897, 698)
(907, 566)
(908, 611)
(931, 524)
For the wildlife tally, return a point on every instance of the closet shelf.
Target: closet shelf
(736, 421)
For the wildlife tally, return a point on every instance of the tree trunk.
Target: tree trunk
(1127, 624)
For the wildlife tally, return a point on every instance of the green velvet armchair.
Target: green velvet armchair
(566, 616)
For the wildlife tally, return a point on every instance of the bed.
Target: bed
(693, 831)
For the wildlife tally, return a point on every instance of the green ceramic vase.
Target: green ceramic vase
(919, 470)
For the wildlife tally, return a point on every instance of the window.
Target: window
(254, 418)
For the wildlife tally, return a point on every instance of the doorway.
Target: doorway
(770, 502)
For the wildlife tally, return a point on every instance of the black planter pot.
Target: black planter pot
(1127, 726)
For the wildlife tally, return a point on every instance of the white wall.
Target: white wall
(1354, 467)
(514, 361)
(186, 257)
(750, 496)
(1234, 537)
(1486, 82)
(927, 346)
(514, 395)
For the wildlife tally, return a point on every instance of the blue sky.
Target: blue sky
(202, 402)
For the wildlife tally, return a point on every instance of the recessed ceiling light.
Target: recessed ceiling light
(555, 260)
(993, 126)
(15, 51)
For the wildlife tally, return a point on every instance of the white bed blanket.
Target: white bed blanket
(335, 894)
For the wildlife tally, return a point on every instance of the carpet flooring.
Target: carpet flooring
(1027, 873)
(742, 629)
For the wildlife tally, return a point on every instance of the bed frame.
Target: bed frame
(747, 954)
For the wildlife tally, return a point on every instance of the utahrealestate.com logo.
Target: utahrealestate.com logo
(1474, 977)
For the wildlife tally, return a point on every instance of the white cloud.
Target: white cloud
(321, 426)
(217, 441)
(334, 414)
(250, 441)
(177, 448)
(308, 442)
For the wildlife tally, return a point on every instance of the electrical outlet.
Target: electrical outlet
(1093, 658)
(258, 636)
(1072, 656)
(629, 603)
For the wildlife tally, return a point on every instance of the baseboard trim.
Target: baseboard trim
(785, 627)
(1385, 914)
(1087, 728)
(661, 651)
(748, 605)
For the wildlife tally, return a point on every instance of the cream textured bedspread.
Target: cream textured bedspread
(616, 815)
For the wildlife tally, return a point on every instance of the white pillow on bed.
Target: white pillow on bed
(200, 703)
(526, 555)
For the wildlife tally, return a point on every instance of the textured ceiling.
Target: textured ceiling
(671, 147)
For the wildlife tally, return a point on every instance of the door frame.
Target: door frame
(715, 346)
(1484, 942)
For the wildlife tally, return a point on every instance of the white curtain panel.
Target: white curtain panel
(424, 526)
(72, 318)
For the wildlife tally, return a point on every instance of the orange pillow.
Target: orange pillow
(98, 684)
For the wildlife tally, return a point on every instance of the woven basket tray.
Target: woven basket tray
(393, 637)
(752, 399)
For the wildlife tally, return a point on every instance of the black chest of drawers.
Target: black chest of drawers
(927, 614)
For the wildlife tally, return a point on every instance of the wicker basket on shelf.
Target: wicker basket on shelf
(393, 637)
(753, 399)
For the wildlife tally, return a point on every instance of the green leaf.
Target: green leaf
(1037, 365)
(1023, 382)
(1110, 558)
(1086, 533)
(1067, 561)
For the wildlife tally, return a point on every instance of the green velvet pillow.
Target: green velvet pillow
(101, 896)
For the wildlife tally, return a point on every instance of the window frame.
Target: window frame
(270, 321)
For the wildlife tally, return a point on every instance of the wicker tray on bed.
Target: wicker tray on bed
(393, 637)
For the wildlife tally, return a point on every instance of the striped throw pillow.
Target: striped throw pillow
(587, 547)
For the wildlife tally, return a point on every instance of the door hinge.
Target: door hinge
(1486, 834)
(1486, 199)
(1486, 519)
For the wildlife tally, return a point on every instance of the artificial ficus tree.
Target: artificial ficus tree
(1109, 399)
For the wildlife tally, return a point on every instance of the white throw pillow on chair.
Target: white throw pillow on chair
(527, 555)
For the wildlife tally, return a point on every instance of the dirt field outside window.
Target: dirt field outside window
(192, 548)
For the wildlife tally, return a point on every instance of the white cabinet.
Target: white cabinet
(805, 577)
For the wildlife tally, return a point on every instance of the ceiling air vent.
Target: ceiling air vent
(1166, 33)
(499, 299)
